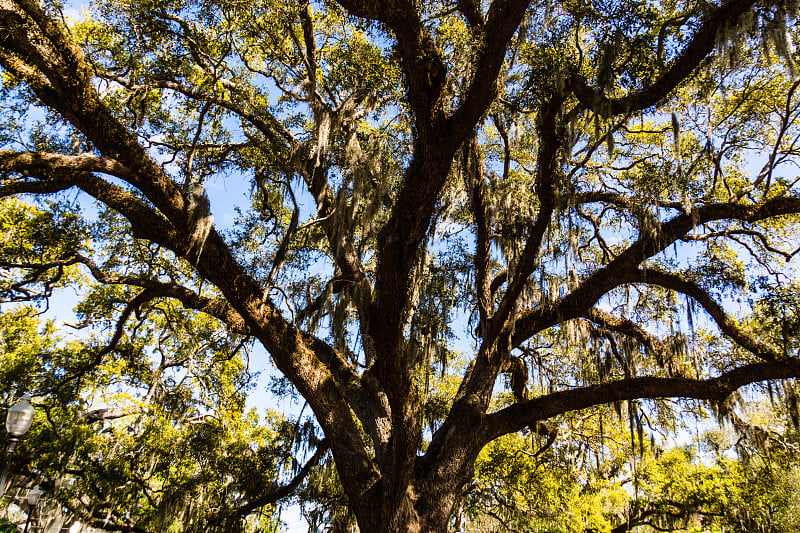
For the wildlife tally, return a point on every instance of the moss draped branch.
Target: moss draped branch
(725, 323)
(605, 279)
(520, 415)
(695, 52)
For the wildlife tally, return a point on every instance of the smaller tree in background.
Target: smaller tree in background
(156, 437)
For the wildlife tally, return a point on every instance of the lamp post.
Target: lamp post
(18, 422)
(33, 500)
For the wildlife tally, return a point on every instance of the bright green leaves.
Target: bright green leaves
(598, 480)
(777, 315)
(37, 248)
(156, 433)
(30, 234)
(517, 486)
(26, 348)
(357, 63)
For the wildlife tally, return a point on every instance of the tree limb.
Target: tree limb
(273, 495)
(108, 413)
(700, 46)
(517, 416)
(18, 161)
(475, 183)
(471, 11)
(724, 322)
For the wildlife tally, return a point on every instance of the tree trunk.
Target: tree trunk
(425, 502)
(409, 512)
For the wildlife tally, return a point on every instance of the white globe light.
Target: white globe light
(20, 417)
(34, 495)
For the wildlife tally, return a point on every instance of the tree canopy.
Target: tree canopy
(471, 230)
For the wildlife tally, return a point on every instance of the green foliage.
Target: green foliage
(5, 527)
(605, 484)
(182, 452)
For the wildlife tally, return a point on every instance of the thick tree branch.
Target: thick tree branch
(471, 11)
(519, 415)
(20, 161)
(387, 11)
(726, 325)
(59, 170)
(421, 62)
(275, 494)
(701, 45)
(310, 53)
(35, 187)
(453, 438)
(108, 413)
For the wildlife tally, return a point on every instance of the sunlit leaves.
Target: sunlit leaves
(36, 248)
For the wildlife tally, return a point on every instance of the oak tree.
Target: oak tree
(559, 205)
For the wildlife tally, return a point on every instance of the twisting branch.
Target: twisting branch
(700, 46)
(724, 322)
(132, 306)
(218, 308)
(517, 416)
(629, 329)
(19, 292)
(608, 253)
(267, 124)
(551, 134)
(756, 235)
(276, 494)
(475, 183)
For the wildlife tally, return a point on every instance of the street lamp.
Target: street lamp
(33, 500)
(18, 422)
